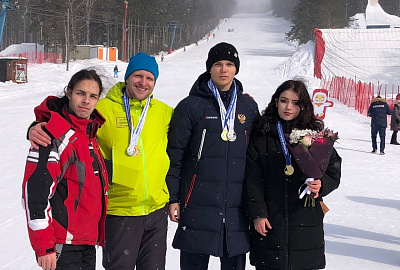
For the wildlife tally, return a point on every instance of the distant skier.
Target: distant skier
(184, 48)
(162, 58)
(116, 71)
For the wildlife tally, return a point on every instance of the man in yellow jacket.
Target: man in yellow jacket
(133, 141)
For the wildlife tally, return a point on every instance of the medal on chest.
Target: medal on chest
(289, 169)
(133, 148)
(227, 115)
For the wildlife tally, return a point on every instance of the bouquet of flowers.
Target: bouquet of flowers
(312, 150)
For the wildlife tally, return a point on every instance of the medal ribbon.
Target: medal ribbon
(135, 133)
(227, 116)
(283, 143)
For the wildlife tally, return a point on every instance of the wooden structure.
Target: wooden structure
(96, 51)
(13, 69)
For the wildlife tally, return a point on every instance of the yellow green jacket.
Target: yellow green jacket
(137, 183)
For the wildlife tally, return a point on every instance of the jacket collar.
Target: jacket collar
(200, 87)
(59, 120)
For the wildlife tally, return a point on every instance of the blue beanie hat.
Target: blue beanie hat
(142, 61)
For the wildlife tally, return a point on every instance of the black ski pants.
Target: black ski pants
(139, 241)
(75, 257)
(194, 261)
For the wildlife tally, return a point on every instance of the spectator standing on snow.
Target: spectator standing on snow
(395, 121)
(65, 183)
(207, 144)
(378, 111)
(133, 142)
(116, 71)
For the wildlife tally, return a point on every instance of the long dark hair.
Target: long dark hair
(83, 74)
(306, 118)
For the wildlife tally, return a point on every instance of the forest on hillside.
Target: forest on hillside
(306, 15)
(149, 24)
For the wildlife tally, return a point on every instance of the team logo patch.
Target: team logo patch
(242, 118)
(121, 122)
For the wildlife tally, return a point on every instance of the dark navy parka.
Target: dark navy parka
(206, 173)
(378, 111)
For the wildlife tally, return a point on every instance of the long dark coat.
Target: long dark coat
(296, 240)
(206, 173)
(395, 121)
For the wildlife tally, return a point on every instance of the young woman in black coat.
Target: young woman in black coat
(286, 232)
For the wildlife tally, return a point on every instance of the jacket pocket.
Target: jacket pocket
(190, 190)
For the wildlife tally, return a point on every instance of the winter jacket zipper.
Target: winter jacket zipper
(103, 183)
(146, 188)
(203, 136)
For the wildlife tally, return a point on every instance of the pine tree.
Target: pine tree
(311, 14)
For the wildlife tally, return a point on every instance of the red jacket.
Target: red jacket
(65, 184)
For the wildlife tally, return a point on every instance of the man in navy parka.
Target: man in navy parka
(378, 111)
(207, 141)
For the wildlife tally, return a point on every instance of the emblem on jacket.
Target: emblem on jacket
(242, 118)
(121, 122)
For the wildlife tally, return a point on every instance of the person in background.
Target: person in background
(116, 71)
(133, 142)
(378, 111)
(286, 232)
(65, 183)
(395, 121)
(207, 144)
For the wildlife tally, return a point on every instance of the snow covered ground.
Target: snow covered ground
(362, 226)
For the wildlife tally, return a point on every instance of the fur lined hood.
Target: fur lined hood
(378, 98)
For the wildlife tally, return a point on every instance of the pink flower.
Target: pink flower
(307, 140)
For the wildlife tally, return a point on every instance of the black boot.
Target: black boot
(394, 138)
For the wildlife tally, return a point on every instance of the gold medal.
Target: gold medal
(224, 135)
(289, 170)
(137, 151)
(133, 150)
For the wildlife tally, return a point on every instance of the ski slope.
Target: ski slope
(362, 226)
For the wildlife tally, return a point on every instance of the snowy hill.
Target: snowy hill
(375, 15)
(21, 48)
(362, 226)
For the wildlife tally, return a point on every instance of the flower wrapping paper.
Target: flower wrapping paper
(314, 160)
